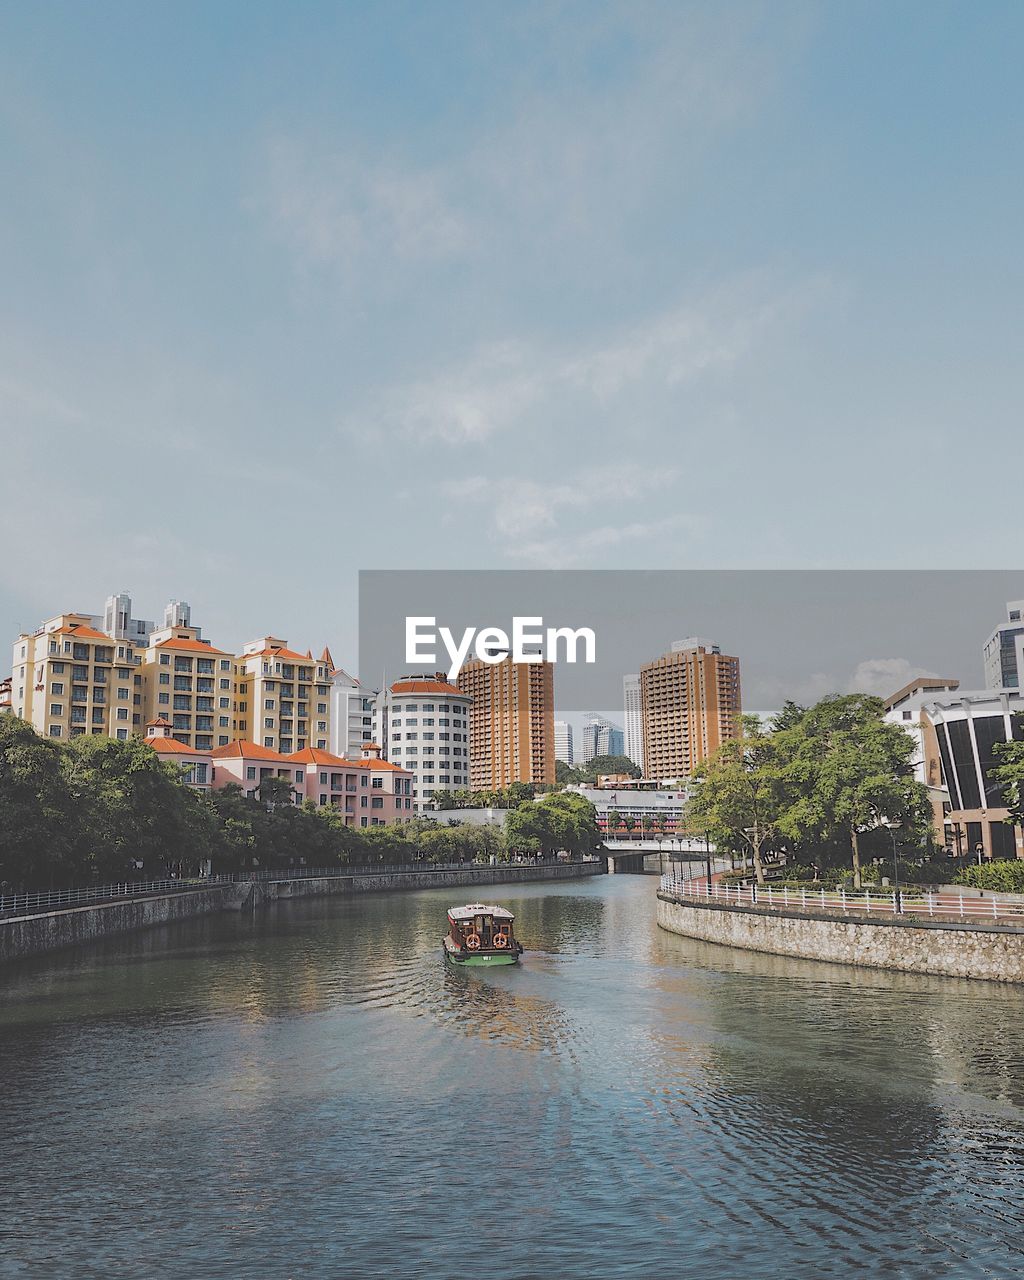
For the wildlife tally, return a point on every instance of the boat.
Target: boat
(480, 935)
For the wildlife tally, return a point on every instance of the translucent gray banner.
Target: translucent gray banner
(798, 634)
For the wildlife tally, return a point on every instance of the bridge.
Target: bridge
(646, 855)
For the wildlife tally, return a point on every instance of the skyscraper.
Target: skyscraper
(1003, 653)
(633, 719)
(563, 741)
(511, 722)
(599, 737)
(690, 704)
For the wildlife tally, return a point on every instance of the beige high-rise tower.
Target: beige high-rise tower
(511, 722)
(690, 703)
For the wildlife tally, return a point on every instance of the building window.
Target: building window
(56, 709)
(55, 730)
(250, 772)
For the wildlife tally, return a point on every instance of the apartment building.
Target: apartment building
(422, 724)
(190, 683)
(5, 697)
(71, 679)
(511, 722)
(196, 766)
(690, 703)
(248, 764)
(283, 697)
(369, 791)
(351, 717)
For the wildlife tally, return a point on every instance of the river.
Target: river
(311, 1092)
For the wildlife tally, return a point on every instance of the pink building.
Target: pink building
(370, 792)
(196, 766)
(247, 764)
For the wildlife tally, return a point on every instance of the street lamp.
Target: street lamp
(894, 826)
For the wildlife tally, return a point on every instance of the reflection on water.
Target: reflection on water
(313, 1091)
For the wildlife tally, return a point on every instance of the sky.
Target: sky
(290, 291)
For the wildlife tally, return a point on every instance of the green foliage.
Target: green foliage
(598, 767)
(557, 821)
(91, 810)
(822, 781)
(499, 798)
(1010, 774)
(997, 877)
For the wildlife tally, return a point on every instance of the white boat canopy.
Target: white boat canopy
(478, 909)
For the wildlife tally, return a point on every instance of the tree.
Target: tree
(36, 808)
(1009, 773)
(566, 775)
(603, 765)
(739, 797)
(130, 806)
(275, 791)
(847, 770)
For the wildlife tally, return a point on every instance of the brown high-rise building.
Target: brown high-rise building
(511, 722)
(689, 704)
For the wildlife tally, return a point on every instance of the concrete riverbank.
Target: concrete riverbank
(42, 931)
(910, 944)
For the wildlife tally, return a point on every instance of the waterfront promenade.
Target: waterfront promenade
(956, 933)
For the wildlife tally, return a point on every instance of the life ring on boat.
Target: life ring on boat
(473, 942)
(500, 939)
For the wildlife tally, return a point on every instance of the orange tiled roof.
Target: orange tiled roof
(171, 746)
(82, 632)
(190, 646)
(249, 751)
(428, 686)
(160, 723)
(287, 655)
(314, 755)
(385, 764)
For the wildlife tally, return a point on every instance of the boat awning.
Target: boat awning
(478, 909)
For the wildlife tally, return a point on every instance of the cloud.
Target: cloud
(883, 676)
(526, 516)
(517, 383)
(338, 208)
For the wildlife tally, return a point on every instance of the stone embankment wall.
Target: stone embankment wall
(948, 948)
(47, 931)
(388, 882)
(31, 935)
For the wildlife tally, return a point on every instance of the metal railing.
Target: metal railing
(21, 903)
(912, 902)
(381, 868)
(58, 899)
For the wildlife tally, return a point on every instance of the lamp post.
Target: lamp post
(894, 826)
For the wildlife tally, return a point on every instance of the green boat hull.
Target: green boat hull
(478, 961)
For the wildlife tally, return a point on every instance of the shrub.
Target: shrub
(997, 877)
